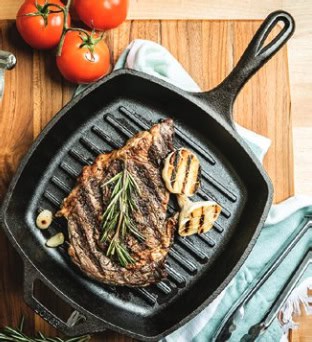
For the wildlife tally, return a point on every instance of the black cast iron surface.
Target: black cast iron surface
(103, 118)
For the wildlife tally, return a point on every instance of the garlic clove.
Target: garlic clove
(181, 172)
(44, 219)
(56, 240)
(198, 217)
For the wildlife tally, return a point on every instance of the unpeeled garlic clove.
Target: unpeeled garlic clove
(181, 172)
(56, 240)
(44, 219)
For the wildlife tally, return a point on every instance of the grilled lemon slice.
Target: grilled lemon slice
(181, 172)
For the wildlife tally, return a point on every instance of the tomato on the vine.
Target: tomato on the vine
(102, 15)
(39, 24)
(84, 57)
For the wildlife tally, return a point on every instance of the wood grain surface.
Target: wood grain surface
(184, 9)
(207, 49)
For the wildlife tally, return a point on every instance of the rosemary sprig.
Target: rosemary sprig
(9, 334)
(117, 219)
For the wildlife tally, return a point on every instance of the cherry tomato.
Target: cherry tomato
(39, 27)
(102, 14)
(83, 59)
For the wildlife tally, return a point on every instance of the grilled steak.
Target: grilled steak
(85, 205)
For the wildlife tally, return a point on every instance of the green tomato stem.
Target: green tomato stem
(46, 8)
(89, 41)
(78, 29)
(65, 28)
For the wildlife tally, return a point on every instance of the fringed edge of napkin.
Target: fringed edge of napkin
(299, 296)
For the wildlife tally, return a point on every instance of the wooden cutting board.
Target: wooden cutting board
(208, 50)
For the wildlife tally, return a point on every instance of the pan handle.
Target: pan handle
(255, 56)
(90, 324)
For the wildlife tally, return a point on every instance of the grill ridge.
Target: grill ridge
(218, 228)
(52, 199)
(101, 134)
(116, 124)
(186, 264)
(146, 295)
(78, 157)
(134, 118)
(219, 186)
(164, 288)
(195, 146)
(60, 184)
(90, 146)
(207, 239)
(69, 170)
(175, 276)
(192, 248)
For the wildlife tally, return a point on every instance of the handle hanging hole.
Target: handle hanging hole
(280, 26)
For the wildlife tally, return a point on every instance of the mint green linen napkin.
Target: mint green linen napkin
(151, 58)
(273, 235)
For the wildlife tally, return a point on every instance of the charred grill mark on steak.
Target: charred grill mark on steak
(149, 179)
(86, 203)
(82, 249)
(84, 224)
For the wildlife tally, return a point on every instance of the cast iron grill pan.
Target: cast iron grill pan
(103, 118)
